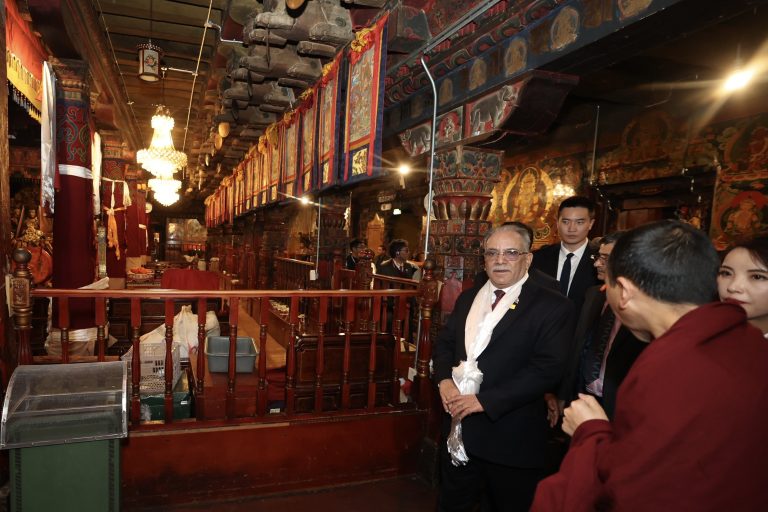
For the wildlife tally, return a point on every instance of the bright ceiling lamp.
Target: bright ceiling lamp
(739, 79)
(161, 158)
(166, 190)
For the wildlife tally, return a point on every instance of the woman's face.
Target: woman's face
(744, 281)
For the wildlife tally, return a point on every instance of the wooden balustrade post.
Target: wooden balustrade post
(21, 303)
(422, 390)
(362, 281)
(336, 266)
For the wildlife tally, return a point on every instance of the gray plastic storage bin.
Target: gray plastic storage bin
(217, 352)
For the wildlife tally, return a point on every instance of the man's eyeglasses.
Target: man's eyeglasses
(507, 254)
(599, 256)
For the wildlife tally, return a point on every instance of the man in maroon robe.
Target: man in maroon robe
(689, 431)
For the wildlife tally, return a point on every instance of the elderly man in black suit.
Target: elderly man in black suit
(570, 261)
(516, 333)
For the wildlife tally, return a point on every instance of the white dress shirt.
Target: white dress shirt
(575, 259)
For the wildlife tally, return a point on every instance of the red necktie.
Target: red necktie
(499, 295)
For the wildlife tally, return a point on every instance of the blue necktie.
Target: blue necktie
(565, 274)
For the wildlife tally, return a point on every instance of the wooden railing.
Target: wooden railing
(291, 274)
(322, 361)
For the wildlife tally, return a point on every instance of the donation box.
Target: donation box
(62, 425)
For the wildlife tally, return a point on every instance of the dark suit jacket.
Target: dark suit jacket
(388, 268)
(524, 359)
(624, 350)
(350, 263)
(545, 259)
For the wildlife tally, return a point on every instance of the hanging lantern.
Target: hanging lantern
(224, 129)
(149, 61)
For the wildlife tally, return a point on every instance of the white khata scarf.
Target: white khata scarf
(481, 321)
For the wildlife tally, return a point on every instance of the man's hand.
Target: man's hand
(581, 410)
(447, 391)
(554, 408)
(461, 406)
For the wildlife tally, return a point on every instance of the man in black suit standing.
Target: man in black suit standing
(512, 333)
(570, 261)
(398, 264)
(355, 246)
(603, 350)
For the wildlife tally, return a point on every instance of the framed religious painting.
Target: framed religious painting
(328, 124)
(290, 128)
(364, 116)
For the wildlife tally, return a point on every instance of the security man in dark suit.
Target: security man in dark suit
(517, 331)
(570, 261)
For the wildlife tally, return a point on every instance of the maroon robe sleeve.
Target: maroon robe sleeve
(576, 487)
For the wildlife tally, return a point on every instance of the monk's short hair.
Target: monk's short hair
(670, 261)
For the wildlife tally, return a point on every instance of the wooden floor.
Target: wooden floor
(403, 494)
(247, 326)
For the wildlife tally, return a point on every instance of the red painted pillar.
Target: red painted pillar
(74, 261)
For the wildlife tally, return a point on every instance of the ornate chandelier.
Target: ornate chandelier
(166, 190)
(161, 158)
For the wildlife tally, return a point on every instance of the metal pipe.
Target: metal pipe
(210, 24)
(431, 155)
(429, 190)
(188, 71)
(594, 146)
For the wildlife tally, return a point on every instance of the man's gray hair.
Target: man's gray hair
(514, 227)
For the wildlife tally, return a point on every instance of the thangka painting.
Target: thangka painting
(246, 184)
(365, 115)
(740, 206)
(489, 112)
(264, 163)
(308, 113)
(290, 126)
(449, 127)
(329, 118)
(417, 140)
(238, 190)
(275, 152)
(254, 157)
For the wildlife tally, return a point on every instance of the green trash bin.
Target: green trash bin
(62, 425)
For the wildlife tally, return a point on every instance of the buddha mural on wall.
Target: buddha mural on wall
(740, 207)
(652, 146)
(527, 198)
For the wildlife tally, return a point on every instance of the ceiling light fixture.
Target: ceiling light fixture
(149, 56)
(166, 190)
(161, 157)
(738, 80)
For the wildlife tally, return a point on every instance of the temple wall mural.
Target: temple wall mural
(649, 146)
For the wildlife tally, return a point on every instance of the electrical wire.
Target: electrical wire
(122, 80)
(195, 75)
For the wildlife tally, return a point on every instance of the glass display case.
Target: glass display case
(64, 403)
